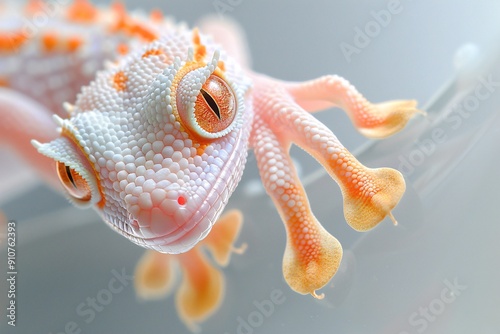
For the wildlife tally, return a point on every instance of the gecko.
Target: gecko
(157, 133)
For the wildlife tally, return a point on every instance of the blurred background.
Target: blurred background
(437, 272)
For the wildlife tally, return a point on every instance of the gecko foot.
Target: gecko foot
(154, 275)
(377, 120)
(312, 255)
(368, 202)
(392, 116)
(202, 288)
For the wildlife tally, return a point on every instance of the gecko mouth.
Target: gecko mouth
(179, 240)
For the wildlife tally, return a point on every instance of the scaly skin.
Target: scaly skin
(158, 141)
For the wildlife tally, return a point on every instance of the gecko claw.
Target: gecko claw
(241, 249)
(319, 297)
(394, 221)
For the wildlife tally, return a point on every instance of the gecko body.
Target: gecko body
(157, 141)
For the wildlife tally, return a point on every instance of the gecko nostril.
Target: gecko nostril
(181, 200)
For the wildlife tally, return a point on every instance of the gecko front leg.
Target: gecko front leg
(312, 255)
(372, 120)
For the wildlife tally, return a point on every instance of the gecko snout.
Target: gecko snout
(169, 221)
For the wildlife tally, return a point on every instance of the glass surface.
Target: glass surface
(436, 272)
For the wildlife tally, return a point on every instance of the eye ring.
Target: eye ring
(75, 185)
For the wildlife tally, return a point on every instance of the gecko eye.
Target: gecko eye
(73, 182)
(214, 111)
(215, 106)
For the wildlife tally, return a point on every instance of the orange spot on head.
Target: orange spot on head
(120, 81)
(200, 50)
(152, 52)
(50, 41)
(73, 43)
(196, 36)
(82, 11)
(11, 41)
(156, 15)
(221, 65)
(200, 53)
(122, 49)
(136, 29)
(125, 24)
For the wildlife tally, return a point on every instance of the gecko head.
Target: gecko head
(159, 159)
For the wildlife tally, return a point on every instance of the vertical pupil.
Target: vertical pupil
(211, 102)
(70, 176)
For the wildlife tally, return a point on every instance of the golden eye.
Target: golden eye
(215, 106)
(213, 113)
(73, 182)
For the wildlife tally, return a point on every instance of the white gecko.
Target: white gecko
(158, 141)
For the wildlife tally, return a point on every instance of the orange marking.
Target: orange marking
(122, 49)
(120, 81)
(11, 41)
(128, 26)
(200, 53)
(196, 36)
(82, 11)
(4, 82)
(73, 43)
(142, 31)
(221, 65)
(200, 50)
(200, 150)
(156, 15)
(152, 52)
(121, 16)
(50, 41)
